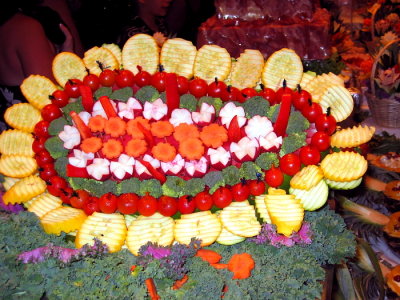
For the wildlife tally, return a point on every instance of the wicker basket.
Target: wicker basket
(385, 112)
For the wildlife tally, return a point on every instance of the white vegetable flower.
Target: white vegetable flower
(70, 136)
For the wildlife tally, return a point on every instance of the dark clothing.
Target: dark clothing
(9, 95)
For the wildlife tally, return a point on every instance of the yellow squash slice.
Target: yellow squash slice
(63, 219)
(67, 65)
(36, 89)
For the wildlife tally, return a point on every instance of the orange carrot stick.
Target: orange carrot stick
(151, 287)
(179, 283)
(107, 106)
(80, 125)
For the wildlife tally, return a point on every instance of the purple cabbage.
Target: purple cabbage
(12, 208)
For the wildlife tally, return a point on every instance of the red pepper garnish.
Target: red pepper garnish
(87, 97)
(73, 171)
(80, 125)
(148, 137)
(108, 107)
(234, 132)
(155, 173)
(172, 92)
(283, 116)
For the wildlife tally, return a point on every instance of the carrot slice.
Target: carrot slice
(209, 256)
(186, 131)
(151, 288)
(164, 152)
(191, 149)
(162, 129)
(136, 147)
(97, 123)
(180, 282)
(133, 130)
(91, 145)
(112, 148)
(115, 127)
(241, 265)
(219, 266)
(214, 135)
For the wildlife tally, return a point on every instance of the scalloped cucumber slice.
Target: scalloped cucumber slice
(344, 185)
(314, 198)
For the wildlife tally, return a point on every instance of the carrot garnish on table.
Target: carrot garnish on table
(151, 288)
(241, 265)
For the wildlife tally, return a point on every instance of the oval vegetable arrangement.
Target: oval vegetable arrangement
(128, 158)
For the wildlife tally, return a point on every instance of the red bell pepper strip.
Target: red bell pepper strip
(148, 137)
(172, 92)
(283, 116)
(155, 173)
(73, 171)
(87, 97)
(80, 125)
(108, 107)
(234, 132)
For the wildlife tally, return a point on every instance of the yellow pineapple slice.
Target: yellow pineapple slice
(116, 50)
(67, 65)
(97, 59)
(9, 182)
(177, 56)
(22, 116)
(212, 62)
(36, 89)
(261, 208)
(282, 65)
(24, 190)
(226, 237)
(313, 198)
(344, 166)
(141, 50)
(63, 219)
(340, 101)
(44, 203)
(108, 228)
(16, 142)
(248, 69)
(352, 137)
(307, 178)
(17, 165)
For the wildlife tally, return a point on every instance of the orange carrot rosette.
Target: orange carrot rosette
(186, 131)
(191, 149)
(164, 152)
(136, 147)
(162, 129)
(214, 135)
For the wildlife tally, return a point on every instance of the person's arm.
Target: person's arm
(35, 52)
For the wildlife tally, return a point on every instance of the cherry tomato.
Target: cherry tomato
(167, 206)
(92, 81)
(231, 93)
(183, 84)
(198, 87)
(66, 195)
(55, 185)
(127, 203)
(108, 203)
(186, 204)
(203, 201)
(311, 111)
(38, 144)
(147, 205)
(274, 177)
(222, 197)
(268, 94)
(326, 122)
(249, 92)
(51, 112)
(124, 78)
(282, 90)
(107, 77)
(59, 98)
(47, 171)
(215, 88)
(41, 129)
(309, 155)
(80, 198)
(158, 80)
(43, 158)
(72, 88)
(321, 140)
(240, 191)
(300, 98)
(142, 78)
(290, 164)
(257, 187)
(91, 206)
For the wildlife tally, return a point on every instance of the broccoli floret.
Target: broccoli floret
(214, 180)
(99, 188)
(122, 94)
(266, 160)
(57, 125)
(147, 93)
(74, 106)
(189, 102)
(76, 182)
(60, 165)
(103, 91)
(163, 97)
(273, 112)
(174, 186)
(194, 186)
(152, 187)
(55, 146)
(293, 142)
(216, 102)
(231, 175)
(249, 170)
(297, 122)
(131, 185)
(256, 106)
